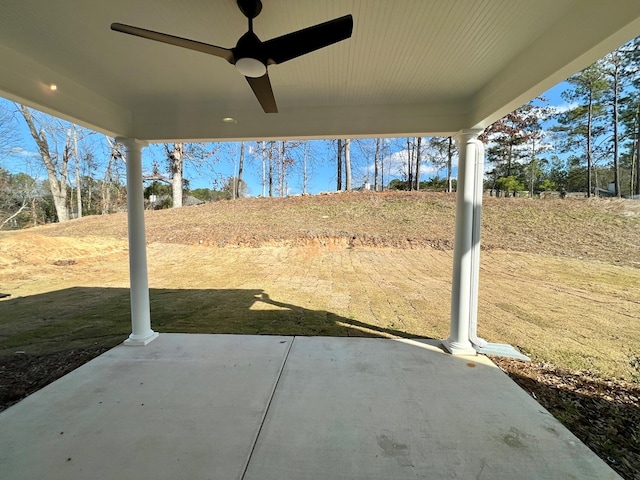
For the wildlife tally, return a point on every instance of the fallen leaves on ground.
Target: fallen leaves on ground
(603, 414)
(21, 374)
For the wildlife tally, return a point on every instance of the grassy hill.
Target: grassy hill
(560, 279)
(596, 229)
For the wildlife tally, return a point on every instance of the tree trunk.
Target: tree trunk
(634, 153)
(409, 166)
(637, 190)
(57, 186)
(106, 191)
(417, 175)
(449, 165)
(77, 163)
(375, 165)
(589, 126)
(281, 167)
(347, 163)
(532, 166)
(264, 170)
(339, 183)
(240, 168)
(304, 169)
(270, 169)
(34, 212)
(176, 165)
(382, 174)
(616, 162)
(107, 183)
(89, 196)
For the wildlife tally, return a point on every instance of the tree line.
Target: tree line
(591, 146)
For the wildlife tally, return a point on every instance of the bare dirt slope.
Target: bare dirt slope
(559, 279)
(596, 229)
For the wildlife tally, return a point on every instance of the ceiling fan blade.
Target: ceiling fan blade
(261, 87)
(295, 44)
(225, 53)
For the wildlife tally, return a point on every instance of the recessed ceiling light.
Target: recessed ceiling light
(228, 120)
(53, 87)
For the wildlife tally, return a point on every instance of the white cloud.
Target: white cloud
(21, 152)
(395, 166)
(558, 109)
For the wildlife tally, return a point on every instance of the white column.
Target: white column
(464, 290)
(475, 246)
(141, 333)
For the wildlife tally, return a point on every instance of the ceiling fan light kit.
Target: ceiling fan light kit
(251, 67)
(251, 56)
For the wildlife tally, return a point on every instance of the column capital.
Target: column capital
(132, 142)
(468, 134)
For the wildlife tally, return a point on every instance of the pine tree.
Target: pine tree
(579, 127)
(630, 114)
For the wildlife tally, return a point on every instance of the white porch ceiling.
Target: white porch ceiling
(411, 66)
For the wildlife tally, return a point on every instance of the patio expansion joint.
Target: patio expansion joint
(266, 410)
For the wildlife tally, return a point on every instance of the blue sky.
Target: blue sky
(209, 174)
(323, 177)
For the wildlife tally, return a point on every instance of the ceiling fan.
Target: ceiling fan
(251, 56)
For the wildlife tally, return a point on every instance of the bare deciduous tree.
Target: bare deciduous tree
(339, 172)
(347, 163)
(176, 154)
(55, 162)
(237, 192)
(410, 153)
(418, 145)
(267, 151)
(116, 152)
(18, 192)
(9, 138)
(376, 169)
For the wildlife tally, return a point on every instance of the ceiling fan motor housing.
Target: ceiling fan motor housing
(250, 8)
(250, 59)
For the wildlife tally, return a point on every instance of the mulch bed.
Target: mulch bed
(603, 414)
(21, 374)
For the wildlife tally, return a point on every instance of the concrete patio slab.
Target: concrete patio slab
(350, 408)
(184, 406)
(262, 407)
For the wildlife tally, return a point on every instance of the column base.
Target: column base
(457, 348)
(138, 341)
